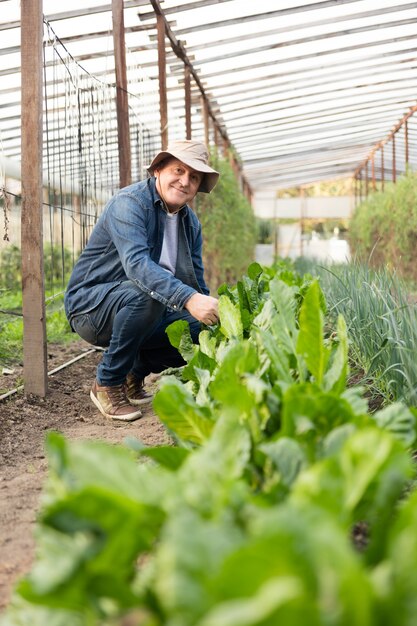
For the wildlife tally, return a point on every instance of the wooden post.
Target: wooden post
(407, 158)
(35, 371)
(187, 89)
(366, 180)
(382, 169)
(216, 135)
(123, 128)
(373, 172)
(162, 72)
(205, 111)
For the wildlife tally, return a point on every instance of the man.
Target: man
(141, 270)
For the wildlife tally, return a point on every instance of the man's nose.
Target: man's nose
(185, 179)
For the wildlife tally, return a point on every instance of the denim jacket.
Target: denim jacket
(126, 244)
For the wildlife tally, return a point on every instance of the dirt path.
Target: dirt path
(23, 425)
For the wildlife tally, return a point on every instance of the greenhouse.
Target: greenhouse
(208, 312)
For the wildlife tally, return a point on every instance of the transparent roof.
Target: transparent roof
(303, 89)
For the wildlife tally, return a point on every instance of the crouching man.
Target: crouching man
(140, 271)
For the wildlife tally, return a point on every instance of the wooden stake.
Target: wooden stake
(122, 105)
(34, 326)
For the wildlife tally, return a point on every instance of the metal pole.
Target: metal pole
(394, 165)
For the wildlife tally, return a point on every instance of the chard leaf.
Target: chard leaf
(267, 606)
(168, 456)
(82, 464)
(398, 420)
(336, 376)
(207, 343)
(227, 386)
(310, 344)
(89, 546)
(251, 289)
(203, 378)
(180, 337)
(22, 613)
(189, 553)
(254, 270)
(288, 457)
(264, 319)
(230, 319)
(363, 480)
(278, 358)
(199, 361)
(354, 396)
(284, 324)
(178, 410)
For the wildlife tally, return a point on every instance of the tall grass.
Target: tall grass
(382, 324)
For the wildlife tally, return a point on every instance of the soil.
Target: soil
(24, 421)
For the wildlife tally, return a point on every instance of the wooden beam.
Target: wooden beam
(64, 15)
(122, 104)
(179, 50)
(35, 372)
(163, 101)
(376, 13)
(187, 89)
(261, 16)
(205, 115)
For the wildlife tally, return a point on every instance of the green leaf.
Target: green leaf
(199, 361)
(254, 271)
(207, 343)
(284, 324)
(188, 555)
(363, 479)
(287, 456)
(310, 344)
(266, 607)
(230, 319)
(335, 377)
(278, 358)
(90, 542)
(168, 456)
(178, 410)
(399, 420)
(82, 464)
(23, 613)
(180, 337)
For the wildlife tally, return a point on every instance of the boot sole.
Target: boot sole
(140, 402)
(123, 418)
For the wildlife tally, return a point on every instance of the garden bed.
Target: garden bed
(23, 425)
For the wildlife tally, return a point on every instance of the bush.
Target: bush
(229, 228)
(383, 228)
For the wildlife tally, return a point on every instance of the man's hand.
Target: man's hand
(204, 308)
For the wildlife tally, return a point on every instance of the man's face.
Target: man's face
(177, 183)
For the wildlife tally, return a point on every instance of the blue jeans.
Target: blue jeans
(131, 326)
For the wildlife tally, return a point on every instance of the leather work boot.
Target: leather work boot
(135, 391)
(113, 403)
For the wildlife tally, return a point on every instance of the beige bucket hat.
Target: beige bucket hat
(195, 155)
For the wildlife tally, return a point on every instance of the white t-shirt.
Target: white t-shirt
(169, 250)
